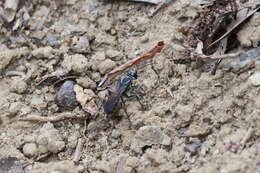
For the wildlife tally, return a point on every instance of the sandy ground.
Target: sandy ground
(190, 121)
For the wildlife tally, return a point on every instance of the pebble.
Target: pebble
(53, 40)
(10, 9)
(14, 108)
(255, 79)
(106, 66)
(147, 136)
(80, 45)
(115, 134)
(86, 82)
(96, 59)
(114, 55)
(30, 149)
(66, 96)
(38, 35)
(83, 95)
(38, 102)
(193, 147)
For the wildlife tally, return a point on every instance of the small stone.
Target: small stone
(66, 96)
(30, 149)
(255, 79)
(158, 157)
(114, 55)
(52, 40)
(38, 35)
(14, 108)
(10, 9)
(185, 113)
(106, 66)
(115, 134)
(96, 59)
(148, 136)
(43, 52)
(193, 147)
(113, 31)
(80, 45)
(29, 138)
(85, 98)
(86, 82)
(96, 76)
(144, 39)
(102, 38)
(77, 63)
(38, 102)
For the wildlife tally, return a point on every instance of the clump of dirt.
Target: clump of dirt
(188, 121)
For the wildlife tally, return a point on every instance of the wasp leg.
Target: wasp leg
(137, 98)
(156, 72)
(124, 107)
(140, 89)
(110, 90)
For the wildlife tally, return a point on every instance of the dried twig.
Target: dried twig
(132, 62)
(169, 91)
(58, 117)
(161, 5)
(148, 1)
(78, 150)
(225, 56)
(198, 53)
(54, 79)
(233, 26)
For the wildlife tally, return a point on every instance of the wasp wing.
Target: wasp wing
(111, 103)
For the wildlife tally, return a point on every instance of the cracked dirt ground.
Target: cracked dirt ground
(192, 122)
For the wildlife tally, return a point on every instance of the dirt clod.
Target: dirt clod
(77, 63)
(30, 149)
(255, 79)
(106, 66)
(49, 139)
(147, 136)
(184, 119)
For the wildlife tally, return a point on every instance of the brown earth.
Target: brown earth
(191, 121)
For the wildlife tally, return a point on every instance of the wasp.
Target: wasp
(116, 95)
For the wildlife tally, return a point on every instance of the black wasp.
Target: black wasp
(115, 95)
